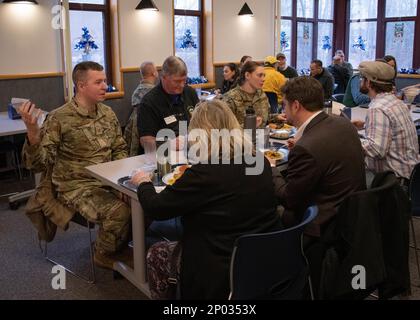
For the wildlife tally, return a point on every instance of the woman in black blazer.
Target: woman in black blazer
(217, 202)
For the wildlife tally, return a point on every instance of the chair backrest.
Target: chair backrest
(272, 100)
(271, 265)
(339, 97)
(370, 230)
(414, 190)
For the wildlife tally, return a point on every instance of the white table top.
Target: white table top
(110, 172)
(10, 127)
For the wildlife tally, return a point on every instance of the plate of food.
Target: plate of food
(276, 126)
(170, 178)
(282, 134)
(275, 156)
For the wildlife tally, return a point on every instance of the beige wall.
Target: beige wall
(28, 42)
(145, 35)
(235, 36)
(30, 45)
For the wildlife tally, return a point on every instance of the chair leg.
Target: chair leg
(311, 290)
(90, 280)
(14, 163)
(18, 165)
(92, 262)
(415, 246)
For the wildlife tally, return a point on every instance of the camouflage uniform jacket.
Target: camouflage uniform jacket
(238, 100)
(72, 139)
(131, 133)
(140, 92)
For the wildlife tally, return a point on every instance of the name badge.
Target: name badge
(170, 119)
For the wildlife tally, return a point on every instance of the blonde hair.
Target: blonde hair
(215, 116)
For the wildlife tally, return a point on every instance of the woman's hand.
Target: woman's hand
(141, 177)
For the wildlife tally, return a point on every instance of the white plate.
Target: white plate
(170, 175)
(289, 134)
(167, 177)
(275, 163)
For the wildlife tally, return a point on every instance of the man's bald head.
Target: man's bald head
(148, 70)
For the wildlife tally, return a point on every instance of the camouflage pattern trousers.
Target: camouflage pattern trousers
(103, 206)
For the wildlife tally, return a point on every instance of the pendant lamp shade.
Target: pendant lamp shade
(147, 5)
(21, 1)
(245, 11)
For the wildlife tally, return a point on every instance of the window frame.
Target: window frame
(381, 21)
(315, 20)
(106, 11)
(192, 13)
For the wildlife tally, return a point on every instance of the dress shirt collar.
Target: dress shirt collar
(302, 128)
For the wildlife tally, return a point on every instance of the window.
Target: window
(90, 33)
(400, 30)
(188, 18)
(307, 31)
(362, 30)
(384, 27)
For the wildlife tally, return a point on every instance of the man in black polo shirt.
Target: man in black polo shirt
(170, 102)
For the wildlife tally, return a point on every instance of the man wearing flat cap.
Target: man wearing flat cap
(391, 139)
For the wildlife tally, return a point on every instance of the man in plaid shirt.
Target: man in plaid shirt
(391, 142)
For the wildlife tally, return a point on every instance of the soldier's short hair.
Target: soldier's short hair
(147, 69)
(174, 66)
(307, 91)
(81, 69)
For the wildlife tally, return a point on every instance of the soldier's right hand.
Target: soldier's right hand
(30, 115)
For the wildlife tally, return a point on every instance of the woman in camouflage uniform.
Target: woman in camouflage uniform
(249, 94)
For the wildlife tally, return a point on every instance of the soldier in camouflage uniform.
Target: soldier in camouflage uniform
(81, 133)
(149, 76)
(249, 94)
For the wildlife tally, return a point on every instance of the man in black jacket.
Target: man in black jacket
(284, 68)
(341, 75)
(324, 77)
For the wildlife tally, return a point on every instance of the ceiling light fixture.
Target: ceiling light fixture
(147, 5)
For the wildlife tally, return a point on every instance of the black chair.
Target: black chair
(272, 100)
(369, 230)
(80, 220)
(339, 97)
(414, 194)
(272, 265)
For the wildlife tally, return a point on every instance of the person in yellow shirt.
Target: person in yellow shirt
(274, 82)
